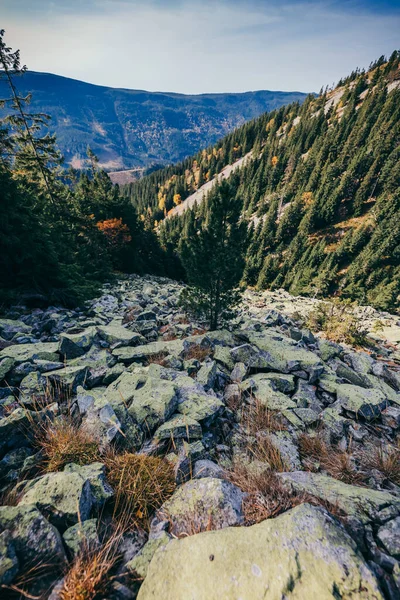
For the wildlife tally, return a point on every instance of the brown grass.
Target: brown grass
(157, 359)
(340, 466)
(90, 575)
(387, 461)
(198, 353)
(336, 463)
(141, 484)
(191, 524)
(256, 417)
(267, 496)
(62, 441)
(265, 451)
(23, 585)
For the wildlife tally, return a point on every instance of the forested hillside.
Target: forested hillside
(320, 193)
(134, 128)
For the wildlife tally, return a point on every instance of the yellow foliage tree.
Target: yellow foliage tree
(177, 199)
(274, 161)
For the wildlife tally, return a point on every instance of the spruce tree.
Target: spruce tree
(212, 254)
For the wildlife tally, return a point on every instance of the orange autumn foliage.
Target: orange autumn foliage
(116, 232)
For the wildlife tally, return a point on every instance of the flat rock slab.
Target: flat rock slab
(301, 554)
(359, 502)
(29, 352)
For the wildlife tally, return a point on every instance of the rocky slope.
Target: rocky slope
(134, 128)
(284, 449)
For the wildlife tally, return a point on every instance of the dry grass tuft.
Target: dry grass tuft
(90, 575)
(311, 447)
(336, 463)
(62, 441)
(387, 461)
(141, 484)
(265, 451)
(256, 417)
(191, 524)
(340, 465)
(267, 495)
(198, 353)
(157, 359)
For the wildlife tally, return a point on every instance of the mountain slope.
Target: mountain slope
(134, 128)
(321, 191)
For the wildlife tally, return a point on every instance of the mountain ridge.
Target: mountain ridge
(130, 128)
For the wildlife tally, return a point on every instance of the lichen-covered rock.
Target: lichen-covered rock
(284, 355)
(29, 352)
(95, 473)
(140, 563)
(8, 559)
(82, 537)
(149, 400)
(389, 536)
(128, 355)
(73, 345)
(67, 379)
(263, 390)
(6, 364)
(35, 540)
(116, 334)
(365, 403)
(360, 502)
(202, 503)
(180, 427)
(98, 415)
(195, 403)
(10, 328)
(302, 554)
(65, 497)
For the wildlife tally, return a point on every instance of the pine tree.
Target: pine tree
(213, 257)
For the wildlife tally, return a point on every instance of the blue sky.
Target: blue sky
(203, 45)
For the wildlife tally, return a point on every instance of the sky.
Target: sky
(199, 46)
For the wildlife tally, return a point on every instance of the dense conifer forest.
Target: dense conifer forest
(320, 192)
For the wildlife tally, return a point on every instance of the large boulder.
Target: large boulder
(359, 502)
(202, 503)
(128, 355)
(263, 390)
(285, 355)
(302, 554)
(150, 401)
(10, 328)
(8, 559)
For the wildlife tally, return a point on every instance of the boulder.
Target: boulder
(389, 537)
(10, 329)
(304, 553)
(150, 401)
(116, 334)
(35, 540)
(68, 379)
(95, 473)
(6, 364)
(360, 402)
(66, 498)
(140, 563)
(128, 355)
(81, 537)
(73, 345)
(180, 427)
(29, 352)
(9, 564)
(359, 502)
(195, 403)
(263, 390)
(202, 503)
